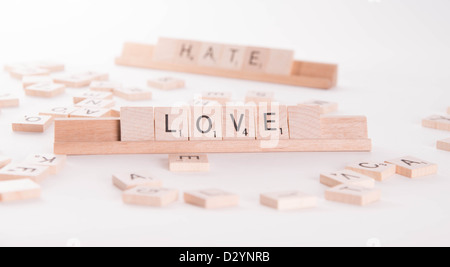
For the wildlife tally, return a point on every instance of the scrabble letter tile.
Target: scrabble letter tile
(8, 101)
(30, 71)
(105, 86)
(378, 171)
(219, 97)
(259, 97)
(165, 50)
(128, 180)
(211, 199)
(256, 59)
(325, 106)
(280, 62)
(352, 194)
(187, 52)
(166, 83)
(346, 177)
(206, 123)
(90, 113)
(172, 123)
(444, 144)
(239, 122)
(210, 54)
(437, 122)
(290, 200)
(21, 171)
(45, 89)
(304, 122)
(413, 167)
(54, 162)
(137, 124)
(58, 112)
(96, 103)
(36, 124)
(92, 95)
(272, 122)
(232, 57)
(133, 94)
(81, 79)
(21, 189)
(188, 163)
(150, 196)
(31, 80)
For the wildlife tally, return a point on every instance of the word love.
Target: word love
(267, 121)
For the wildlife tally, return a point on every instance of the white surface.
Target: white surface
(393, 58)
(17, 186)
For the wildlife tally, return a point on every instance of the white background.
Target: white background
(393, 58)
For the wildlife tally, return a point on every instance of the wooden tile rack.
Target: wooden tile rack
(302, 73)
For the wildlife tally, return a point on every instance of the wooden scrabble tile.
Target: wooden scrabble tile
(45, 89)
(36, 124)
(239, 122)
(24, 170)
(54, 162)
(46, 65)
(352, 194)
(81, 79)
(280, 62)
(289, 200)
(203, 102)
(172, 123)
(50, 66)
(128, 180)
(256, 59)
(259, 97)
(210, 54)
(272, 122)
(166, 83)
(206, 123)
(346, 177)
(376, 170)
(304, 122)
(150, 196)
(220, 97)
(187, 52)
(91, 95)
(137, 124)
(96, 103)
(232, 57)
(30, 71)
(32, 80)
(8, 101)
(90, 113)
(133, 94)
(21, 189)
(164, 51)
(325, 106)
(444, 145)
(413, 167)
(58, 112)
(105, 86)
(211, 199)
(22, 65)
(182, 52)
(437, 122)
(344, 127)
(188, 163)
(4, 160)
